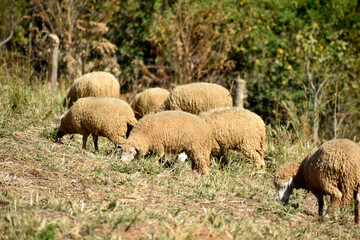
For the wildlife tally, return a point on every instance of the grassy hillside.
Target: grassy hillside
(59, 191)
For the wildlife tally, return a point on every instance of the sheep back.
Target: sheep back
(198, 97)
(106, 117)
(148, 101)
(237, 129)
(94, 84)
(335, 164)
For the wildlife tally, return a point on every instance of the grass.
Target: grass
(59, 191)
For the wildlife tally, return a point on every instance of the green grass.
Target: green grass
(59, 191)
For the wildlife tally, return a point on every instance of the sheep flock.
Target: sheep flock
(199, 119)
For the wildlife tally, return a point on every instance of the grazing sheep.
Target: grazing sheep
(237, 129)
(148, 101)
(332, 169)
(171, 132)
(107, 117)
(94, 84)
(197, 97)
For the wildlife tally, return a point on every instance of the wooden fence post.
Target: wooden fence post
(53, 60)
(240, 89)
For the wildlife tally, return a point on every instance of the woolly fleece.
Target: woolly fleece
(94, 84)
(237, 129)
(148, 101)
(197, 97)
(172, 132)
(107, 117)
(332, 169)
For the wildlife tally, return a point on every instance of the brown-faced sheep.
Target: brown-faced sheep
(171, 132)
(148, 101)
(237, 129)
(332, 169)
(197, 97)
(107, 117)
(94, 84)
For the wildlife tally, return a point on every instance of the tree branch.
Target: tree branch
(8, 38)
(12, 25)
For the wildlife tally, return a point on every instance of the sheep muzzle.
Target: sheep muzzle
(128, 153)
(285, 190)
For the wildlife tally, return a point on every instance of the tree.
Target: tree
(194, 39)
(12, 14)
(81, 34)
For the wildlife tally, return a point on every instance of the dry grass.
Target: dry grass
(59, 191)
(49, 190)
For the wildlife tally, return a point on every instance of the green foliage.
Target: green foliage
(13, 18)
(48, 232)
(277, 41)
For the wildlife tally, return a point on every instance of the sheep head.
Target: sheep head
(129, 151)
(284, 182)
(59, 135)
(61, 131)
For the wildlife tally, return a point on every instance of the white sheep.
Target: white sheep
(148, 101)
(107, 117)
(171, 132)
(332, 169)
(197, 97)
(94, 84)
(237, 129)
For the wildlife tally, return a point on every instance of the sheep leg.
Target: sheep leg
(84, 140)
(204, 169)
(321, 205)
(194, 168)
(259, 158)
(259, 162)
(335, 199)
(357, 199)
(198, 164)
(95, 140)
(256, 156)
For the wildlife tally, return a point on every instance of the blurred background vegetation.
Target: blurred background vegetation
(300, 58)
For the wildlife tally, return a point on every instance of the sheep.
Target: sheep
(148, 101)
(237, 129)
(332, 169)
(94, 84)
(197, 97)
(171, 132)
(107, 117)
